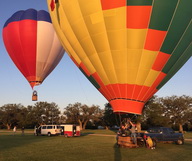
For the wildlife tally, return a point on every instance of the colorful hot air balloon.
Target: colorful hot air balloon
(32, 44)
(127, 48)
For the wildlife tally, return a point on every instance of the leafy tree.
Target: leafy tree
(177, 109)
(62, 119)
(153, 114)
(72, 113)
(45, 113)
(78, 113)
(30, 117)
(109, 117)
(10, 114)
(22, 117)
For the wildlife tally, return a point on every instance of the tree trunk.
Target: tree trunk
(107, 127)
(84, 124)
(180, 128)
(8, 127)
(138, 126)
(80, 124)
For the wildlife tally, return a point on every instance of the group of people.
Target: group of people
(15, 129)
(128, 129)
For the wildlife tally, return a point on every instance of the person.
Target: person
(133, 132)
(14, 130)
(123, 133)
(22, 129)
(36, 131)
(120, 132)
(149, 142)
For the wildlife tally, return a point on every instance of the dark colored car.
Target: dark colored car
(164, 134)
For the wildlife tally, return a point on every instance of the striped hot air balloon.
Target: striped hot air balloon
(32, 44)
(127, 48)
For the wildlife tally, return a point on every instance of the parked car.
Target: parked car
(164, 134)
(48, 130)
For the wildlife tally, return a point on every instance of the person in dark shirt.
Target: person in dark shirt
(22, 130)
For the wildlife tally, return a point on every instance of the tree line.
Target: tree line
(174, 111)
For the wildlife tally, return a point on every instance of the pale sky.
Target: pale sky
(66, 84)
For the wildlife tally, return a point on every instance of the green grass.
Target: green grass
(188, 135)
(96, 131)
(84, 148)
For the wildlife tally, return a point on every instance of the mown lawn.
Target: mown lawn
(85, 148)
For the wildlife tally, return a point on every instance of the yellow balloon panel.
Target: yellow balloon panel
(117, 39)
(115, 19)
(62, 37)
(120, 65)
(93, 31)
(152, 76)
(136, 38)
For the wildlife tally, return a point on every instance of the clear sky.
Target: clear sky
(66, 84)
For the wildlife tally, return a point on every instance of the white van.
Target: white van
(48, 130)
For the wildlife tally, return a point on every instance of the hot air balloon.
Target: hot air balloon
(127, 48)
(32, 44)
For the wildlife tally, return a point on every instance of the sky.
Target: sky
(66, 84)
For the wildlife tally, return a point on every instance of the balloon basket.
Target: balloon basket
(34, 96)
(126, 141)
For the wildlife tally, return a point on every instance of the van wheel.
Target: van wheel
(49, 134)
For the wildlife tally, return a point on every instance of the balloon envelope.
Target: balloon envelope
(32, 44)
(127, 48)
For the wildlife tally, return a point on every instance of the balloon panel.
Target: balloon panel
(128, 49)
(32, 44)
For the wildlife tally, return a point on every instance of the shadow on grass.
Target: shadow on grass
(8, 140)
(117, 153)
(86, 133)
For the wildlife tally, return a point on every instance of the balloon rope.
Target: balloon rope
(132, 117)
(116, 120)
(80, 85)
(120, 119)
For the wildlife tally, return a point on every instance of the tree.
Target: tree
(72, 113)
(153, 114)
(110, 118)
(78, 113)
(22, 117)
(177, 109)
(10, 114)
(30, 117)
(45, 113)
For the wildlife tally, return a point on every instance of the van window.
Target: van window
(49, 127)
(58, 127)
(43, 127)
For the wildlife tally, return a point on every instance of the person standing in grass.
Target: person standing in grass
(22, 129)
(14, 130)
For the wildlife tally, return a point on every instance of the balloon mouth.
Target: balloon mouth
(34, 83)
(124, 106)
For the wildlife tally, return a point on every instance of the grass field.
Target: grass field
(85, 148)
